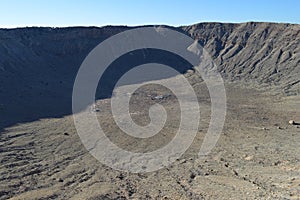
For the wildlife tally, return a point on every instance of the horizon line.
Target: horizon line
(135, 25)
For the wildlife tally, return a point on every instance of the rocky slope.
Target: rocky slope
(38, 65)
(266, 53)
(256, 157)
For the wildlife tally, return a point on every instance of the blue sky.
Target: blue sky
(19, 13)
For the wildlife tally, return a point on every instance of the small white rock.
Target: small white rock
(249, 158)
(292, 122)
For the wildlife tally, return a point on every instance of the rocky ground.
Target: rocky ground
(256, 157)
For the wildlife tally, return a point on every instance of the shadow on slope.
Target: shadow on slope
(47, 93)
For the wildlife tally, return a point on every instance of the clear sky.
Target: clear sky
(19, 13)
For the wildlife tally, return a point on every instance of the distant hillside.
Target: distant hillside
(38, 65)
(266, 53)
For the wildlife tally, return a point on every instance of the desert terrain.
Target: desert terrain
(256, 157)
